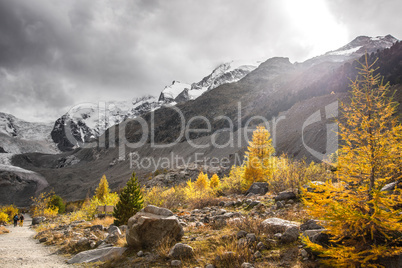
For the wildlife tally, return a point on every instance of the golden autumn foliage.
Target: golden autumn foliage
(214, 182)
(42, 205)
(7, 213)
(258, 165)
(363, 222)
(202, 182)
(103, 189)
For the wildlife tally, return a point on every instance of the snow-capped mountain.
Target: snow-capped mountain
(170, 93)
(355, 49)
(226, 73)
(229, 72)
(86, 122)
(89, 120)
(19, 136)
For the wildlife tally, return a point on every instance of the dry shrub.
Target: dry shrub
(106, 221)
(4, 230)
(248, 224)
(164, 247)
(204, 202)
(230, 254)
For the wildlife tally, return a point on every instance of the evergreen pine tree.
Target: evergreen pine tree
(131, 201)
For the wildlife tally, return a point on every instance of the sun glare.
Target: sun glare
(317, 29)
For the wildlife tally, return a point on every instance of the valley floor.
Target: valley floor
(19, 249)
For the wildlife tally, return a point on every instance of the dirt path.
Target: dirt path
(19, 249)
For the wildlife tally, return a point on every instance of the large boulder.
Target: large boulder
(95, 255)
(259, 188)
(277, 225)
(151, 226)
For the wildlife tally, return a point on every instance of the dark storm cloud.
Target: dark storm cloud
(55, 54)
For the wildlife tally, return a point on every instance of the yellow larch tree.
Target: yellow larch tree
(214, 182)
(202, 182)
(103, 189)
(258, 165)
(362, 221)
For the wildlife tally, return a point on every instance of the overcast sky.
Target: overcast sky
(57, 53)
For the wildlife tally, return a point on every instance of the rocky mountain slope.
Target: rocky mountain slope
(88, 121)
(19, 136)
(298, 99)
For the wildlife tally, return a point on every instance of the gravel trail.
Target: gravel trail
(19, 249)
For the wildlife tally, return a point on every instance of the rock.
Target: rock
(37, 220)
(251, 238)
(43, 240)
(311, 233)
(82, 242)
(278, 225)
(158, 211)
(261, 246)
(105, 245)
(321, 239)
(254, 203)
(246, 265)
(280, 204)
(97, 227)
(112, 238)
(278, 235)
(285, 196)
(175, 263)
(271, 243)
(391, 186)
(123, 228)
(209, 266)
(181, 251)
(260, 188)
(257, 255)
(241, 234)
(140, 253)
(290, 235)
(229, 204)
(310, 225)
(146, 229)
(114, 230)
(303, 253)
(95, 255)
(242, 243)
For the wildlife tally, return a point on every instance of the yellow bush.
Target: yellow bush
(165, 197)
(10, 211)
(214, 182)
(51, 212)
(90, 209)
(3, 218)
(235, 182)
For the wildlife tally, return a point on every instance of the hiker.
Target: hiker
(21, 220)
(16, 220)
